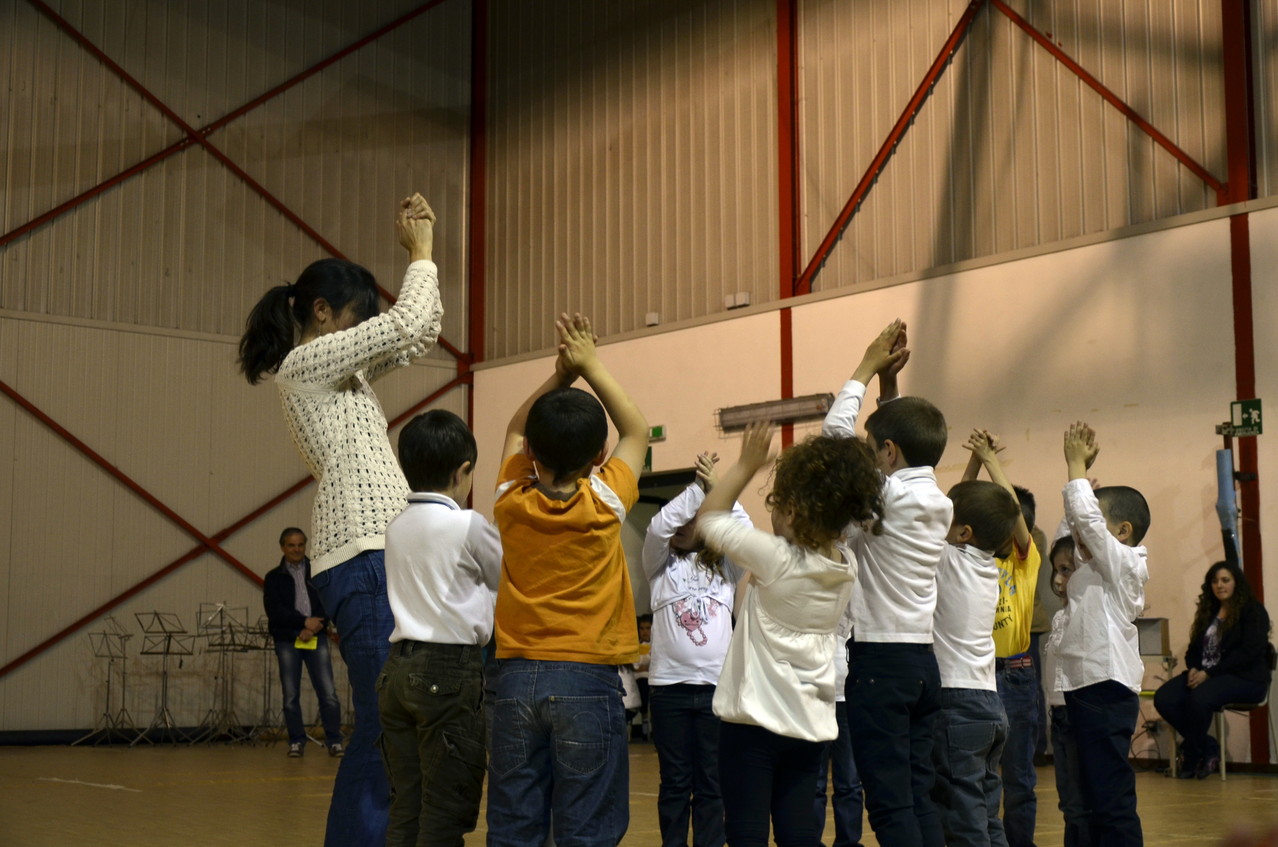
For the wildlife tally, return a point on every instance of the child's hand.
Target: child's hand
(756, 446)
(1081, 449)
(886, 354)
(983, 445)
(576, 344)
(706, 475)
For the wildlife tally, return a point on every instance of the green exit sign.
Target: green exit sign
(657, 433)
(1244, 418)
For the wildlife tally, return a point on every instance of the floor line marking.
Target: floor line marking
(90, 784)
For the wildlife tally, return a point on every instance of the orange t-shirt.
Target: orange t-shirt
(565, 588)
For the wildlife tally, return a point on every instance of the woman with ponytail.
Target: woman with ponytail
(325, 342)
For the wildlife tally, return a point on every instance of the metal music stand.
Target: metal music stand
(163, 635)
(111, 644)
(269, 721)
(225, 630)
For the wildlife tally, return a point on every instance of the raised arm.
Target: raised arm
(985, 449)
(579, 356)
(663, 526)
(514, 443)
(885, 356)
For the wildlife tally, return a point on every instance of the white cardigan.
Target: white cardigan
(339, 427)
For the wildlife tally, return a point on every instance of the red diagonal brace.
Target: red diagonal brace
(1112, 98)
(122, 477)
(194, 136)
(198, 550)
(803, 284)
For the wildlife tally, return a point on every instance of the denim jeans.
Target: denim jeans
(354, 595)
(1018, 689)
(970, 732)
(1103, 717)
(893, 693)
(1190, 710)
(319, 667)
(431, 701)
(849, 799)
(558, 746)
(767, 778)
(1069, 788)
(685, 732)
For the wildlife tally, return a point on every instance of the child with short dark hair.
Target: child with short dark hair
(1069, 790)
(1099, 668)
(1018, 563)
(775, 697)
(892, 607)
(565, 615)
(971, 726)
(442, 566)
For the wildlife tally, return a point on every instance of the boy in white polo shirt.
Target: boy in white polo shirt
(971, 726)
(1099, 666)
(442, 567)
(894, 687)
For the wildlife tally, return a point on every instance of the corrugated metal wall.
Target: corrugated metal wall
(631, 162)
(120, 319)
(1265, 53)
(633, 145)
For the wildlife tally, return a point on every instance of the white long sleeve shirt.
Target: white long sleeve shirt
(691, 607)
(779, 673)
(1106, 594)
(896, 577)
(443, 563)
(962, 629)
(338, 424)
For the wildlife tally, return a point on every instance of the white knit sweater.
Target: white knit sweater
(340, 428)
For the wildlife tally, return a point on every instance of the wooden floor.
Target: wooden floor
(247, 796)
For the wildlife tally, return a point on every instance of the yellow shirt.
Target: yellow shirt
(565, 589)
(1017, 581)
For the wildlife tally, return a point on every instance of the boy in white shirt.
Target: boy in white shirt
(1099, 668)
(893, 687)
(971, 726)
(442, 567)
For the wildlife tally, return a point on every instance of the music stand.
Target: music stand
(225, 630)
(110, 644)
(269, 720)
(163, 635)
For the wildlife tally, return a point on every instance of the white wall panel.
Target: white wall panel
(1011, 149)
(171, 413)
(631, 163)
(186, 244)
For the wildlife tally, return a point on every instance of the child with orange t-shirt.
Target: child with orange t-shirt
(565, 616)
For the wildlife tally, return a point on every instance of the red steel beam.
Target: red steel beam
(1113, 99)
(1240, 147)
(788, 150)
(199, 136)
(194, 552)
(803, 284)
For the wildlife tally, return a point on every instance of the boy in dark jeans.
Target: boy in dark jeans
(442, 565)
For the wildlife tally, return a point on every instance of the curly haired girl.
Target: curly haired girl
(776, 695)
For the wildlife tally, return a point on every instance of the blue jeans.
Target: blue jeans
(849, 800)
(1018, 689)
(685, 732)
(558, 745)
(767, 778)
(319, 667)
(354, 595)
(970, 732)
(1069, 788)
(1190, 710)
(1103, 717)
(893, 694)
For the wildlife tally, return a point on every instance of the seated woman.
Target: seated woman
(1227, 662)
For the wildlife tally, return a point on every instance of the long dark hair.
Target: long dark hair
(272, 327)
(1209, 606)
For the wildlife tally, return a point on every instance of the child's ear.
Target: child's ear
(463, 470)
(321, 311)
(891, 452)
(528, 451)
(602, 457)
(964, 535)
(1124, 531)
